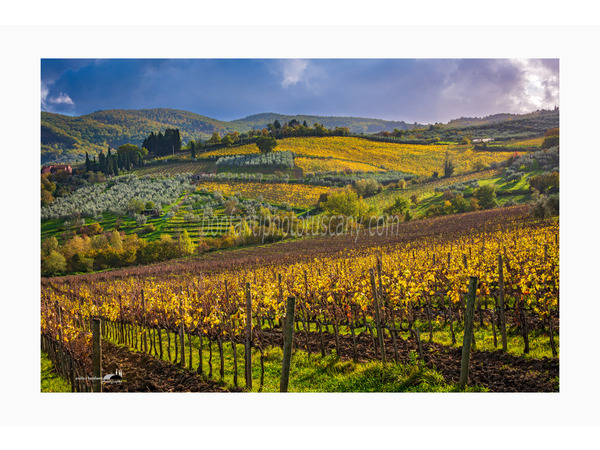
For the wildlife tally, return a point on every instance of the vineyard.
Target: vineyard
(314, 164)
(174, 169)
(388, 298)
(524, 143)
(415, 159)
(300, 195)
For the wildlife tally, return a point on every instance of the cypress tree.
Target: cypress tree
(110, 164)
(88, 165)
(177, 140)
(193, 145)
(160, 145)
(102, 162)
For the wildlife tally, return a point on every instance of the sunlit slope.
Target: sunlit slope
(416, 159)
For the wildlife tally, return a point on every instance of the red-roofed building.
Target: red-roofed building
(57, 168)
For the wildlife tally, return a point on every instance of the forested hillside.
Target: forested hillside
(65, 137)
(354, 124)
(474, 121)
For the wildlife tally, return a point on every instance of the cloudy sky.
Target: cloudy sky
(416, 90)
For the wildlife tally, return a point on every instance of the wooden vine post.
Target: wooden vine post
(377, 315)
(145, 343)
(182, 334)
(281, 321)
(501, 303)
(96, 356)
(290, 311)
(551, 334)
(122, 325)
(466, 347)
(248, 350)
(59, 318)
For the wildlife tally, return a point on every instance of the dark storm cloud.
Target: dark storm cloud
(411, 90)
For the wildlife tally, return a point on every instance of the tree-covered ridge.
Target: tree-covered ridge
(354, 124)
(191, 125)
(521, 127)
(64, 137)
(69, 136)
(475, 121)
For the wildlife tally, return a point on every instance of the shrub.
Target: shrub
(150, 228)
(552, 203)
(459, 204)
(344, 202)
(515, 177)
(434, 210)
(53, 264)
(545, 181)
(448, 195)
(486, 197)
(400, 206)
(474, 204)
(545, 207)
(266, 144)
(203, 246)
(140, 220)
(367, 186)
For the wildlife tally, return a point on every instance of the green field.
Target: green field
(427, 195)
(50, 381)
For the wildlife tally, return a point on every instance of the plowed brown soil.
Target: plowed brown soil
(497, 371)
(144, 373)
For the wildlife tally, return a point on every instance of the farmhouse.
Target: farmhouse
(57, 168)
(202, 176)
(481, 140)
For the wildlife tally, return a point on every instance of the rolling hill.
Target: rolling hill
(464, 122)
(65, 136)
(355, 124)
